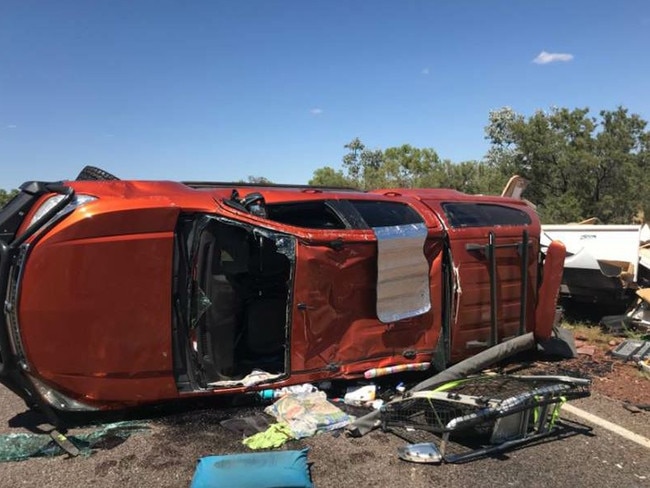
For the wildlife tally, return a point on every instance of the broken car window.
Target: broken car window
(311, 215)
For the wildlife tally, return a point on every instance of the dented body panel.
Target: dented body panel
(132, 292)
(337, 324)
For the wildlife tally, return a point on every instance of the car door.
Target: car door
(334, 303)
(494, 274)
(336, 325)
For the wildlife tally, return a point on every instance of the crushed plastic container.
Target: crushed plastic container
(360, 395)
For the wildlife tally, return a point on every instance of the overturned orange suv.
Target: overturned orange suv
(124, 293)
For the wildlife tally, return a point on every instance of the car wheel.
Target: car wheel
(91, 173)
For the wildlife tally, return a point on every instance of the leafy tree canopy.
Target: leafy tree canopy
(578, 165)
(256, 180)
(406, 166)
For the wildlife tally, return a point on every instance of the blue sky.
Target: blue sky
(216, 90)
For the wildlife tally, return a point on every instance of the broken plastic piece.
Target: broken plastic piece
(642, 353)
(626, 349)
(645, 365)
(359, 396)
(64, 443)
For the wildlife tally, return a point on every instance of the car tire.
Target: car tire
(91, 173)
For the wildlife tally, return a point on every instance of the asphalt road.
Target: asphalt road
(166, 456)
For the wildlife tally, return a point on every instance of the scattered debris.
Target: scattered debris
(631, 408)
(21, 446)
(587, 350)
(642, 353)
(64, 443)
(639, 313)
(280, 392)
(615, 324)
(636, 408)
(365, 424)
(359, 396)
(629, 348)
(425, 452)
(495, 411)
(637, 317)
(645, 366)
(308, 413)
(604, 263)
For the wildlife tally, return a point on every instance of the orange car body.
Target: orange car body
(135, 292)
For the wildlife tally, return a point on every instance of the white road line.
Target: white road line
(606, 424)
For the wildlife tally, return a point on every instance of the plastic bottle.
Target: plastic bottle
(280, 392)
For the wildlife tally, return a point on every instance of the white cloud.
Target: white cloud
(545, 58)
(316, 111)
(425, 71)
(12, 126)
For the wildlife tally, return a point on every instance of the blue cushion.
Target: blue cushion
(273, 469)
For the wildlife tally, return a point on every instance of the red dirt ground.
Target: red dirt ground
(610, 376)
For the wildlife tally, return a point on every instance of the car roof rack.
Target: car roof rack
(240, 184)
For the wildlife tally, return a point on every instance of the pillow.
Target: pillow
(272, 469)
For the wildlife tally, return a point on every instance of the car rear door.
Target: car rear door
(492, 249)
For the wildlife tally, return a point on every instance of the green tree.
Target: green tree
(472, 177)
(363, 166)
(410, 167)
(407, 166)
(328, 176)
(578, 166)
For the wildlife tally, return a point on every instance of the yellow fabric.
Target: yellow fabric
(275, 436)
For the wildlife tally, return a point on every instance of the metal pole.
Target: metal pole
(492, 262)
(524, 283)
